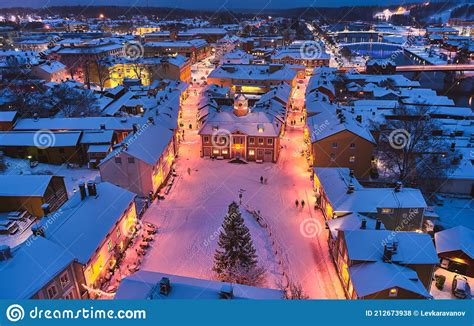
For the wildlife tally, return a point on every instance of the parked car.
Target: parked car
(461, 288)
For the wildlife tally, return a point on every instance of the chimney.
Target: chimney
(5, 252)
(363, 224)
(350, 188)
(82, 190)
(359, 118)
(387, 253)
(398, 186)
(91, 188)
(165, 286)
(227, 292)
(102, 126)
(46, 209)
(151, 120)
(378, 224)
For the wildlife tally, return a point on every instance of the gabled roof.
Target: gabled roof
(371, 278)
(351, 221)
(457, 238)
(24, 185)
(368, 245)
(145, 285)
(84, 224)
(33, 264)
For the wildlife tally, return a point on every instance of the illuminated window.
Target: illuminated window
(270, 141)
(260, 141)
(352, 158)
(251, 152)
(393, 292)
(118, 233)
(334, 145)
(333, 157)
(387, 210)
(110, 245)
(225, 151)
(215, 151)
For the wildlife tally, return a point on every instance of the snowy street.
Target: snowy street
(190, 217)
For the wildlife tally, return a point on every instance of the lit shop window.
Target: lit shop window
(393, 292)
(251, 152)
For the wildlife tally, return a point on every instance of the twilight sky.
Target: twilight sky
(204, 4)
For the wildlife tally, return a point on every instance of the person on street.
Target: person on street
(302, 203)
(297, 203)
(189, 171)
(261, 179)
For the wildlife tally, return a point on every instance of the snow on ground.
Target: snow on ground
(190, 216)
(72, 176)
(445, 293)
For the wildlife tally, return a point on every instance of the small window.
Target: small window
(69, 295)
(270, 141)
(333, 157)
(251, 152)
(64, 279)
(206, 139)
(334, 145)
(118, 160)
(387, 210)
(131, 160)
(251, 140)
(118, 233)
(225, 152)
(353, 146)
(393, 292)
(52, 291)
(110, 245)
(352, 158)
(260, 141)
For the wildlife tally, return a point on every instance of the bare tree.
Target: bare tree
(412, 149)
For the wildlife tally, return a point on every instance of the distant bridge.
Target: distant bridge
(371, 43)
(450, 67)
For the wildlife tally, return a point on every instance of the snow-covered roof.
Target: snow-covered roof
(8, 116)
(84, 224)
(413, 248)
(33, 264)
(253, 72)
(351, 221)
(335, 182)
(86, 123)
(148, 145)
(30, 138)
(52, 67)
(453, 239)
(24, 185)
(146, 285)
(335, 126)
(371, 278)
(97, 137)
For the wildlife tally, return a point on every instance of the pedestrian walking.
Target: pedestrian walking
(297, 203)
(261, 179)
(190, 126)
(302, 203)
(189, 171)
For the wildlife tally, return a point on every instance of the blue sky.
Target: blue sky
(203, 4)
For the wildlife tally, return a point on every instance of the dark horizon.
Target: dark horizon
(209, 4)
